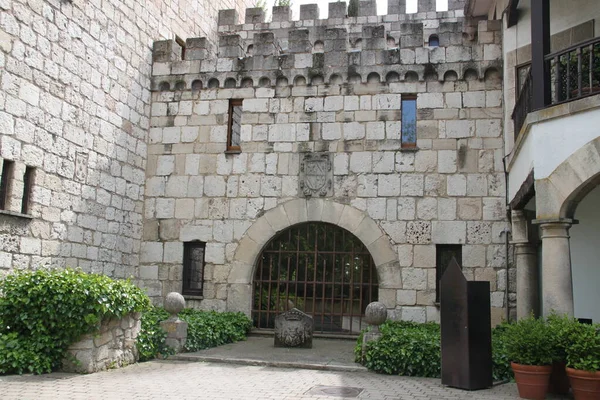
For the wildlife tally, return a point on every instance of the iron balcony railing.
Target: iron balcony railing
(574, 74)
(523, 104)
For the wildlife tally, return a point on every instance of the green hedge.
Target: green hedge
(42, 312)
(413, 349)
(205, 329)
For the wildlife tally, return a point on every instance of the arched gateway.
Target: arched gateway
(329, 218)
(319, 268)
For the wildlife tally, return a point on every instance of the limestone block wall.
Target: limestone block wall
(111, 347)
(75, 105)
(333, 86)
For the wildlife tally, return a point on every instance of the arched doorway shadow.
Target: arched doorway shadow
(319, 268)
(298, 211)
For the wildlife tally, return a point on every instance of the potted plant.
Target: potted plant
(583, 361)
(560, 327)
(529, 345)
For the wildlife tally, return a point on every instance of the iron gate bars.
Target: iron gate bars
(319, 268)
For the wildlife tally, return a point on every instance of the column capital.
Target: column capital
(557, 221)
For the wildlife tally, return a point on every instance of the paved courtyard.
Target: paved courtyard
(179, 380)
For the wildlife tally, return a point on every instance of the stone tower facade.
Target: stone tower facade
(329, 89)
(74, 118)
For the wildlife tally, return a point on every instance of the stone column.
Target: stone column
(557, 282)
(528, 293)
(527, 269)
(175, 328)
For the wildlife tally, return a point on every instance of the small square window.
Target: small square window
(193, 268)
(444, 254)
(409, 121)
(6, 183)
(234, 125)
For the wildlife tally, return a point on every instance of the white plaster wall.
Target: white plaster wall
(551, 142)
(585, 257)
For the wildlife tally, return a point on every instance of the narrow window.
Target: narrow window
(444, 254)
(193, 268)
(409, 121)
(234, 126)
(522, 74)
(181, 42)
(434, 41)
(6, 183)
(27, 188)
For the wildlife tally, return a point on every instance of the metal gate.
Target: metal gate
(320, 269)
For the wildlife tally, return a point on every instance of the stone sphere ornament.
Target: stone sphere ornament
(376, 314)
(174, 303)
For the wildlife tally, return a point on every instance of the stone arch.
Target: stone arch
(197, 85)
(450, 76)
(247, 82)
(569, 183)
(213, 83)
(264, 82)
(230, 83)
(392, 76)
(373, 77)
(296, 212)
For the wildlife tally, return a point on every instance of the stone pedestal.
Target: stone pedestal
(176, 330)
(557, 281)
(375, 315)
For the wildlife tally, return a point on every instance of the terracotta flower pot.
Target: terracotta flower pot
(585, 384)
(559, 381)
(532, 380)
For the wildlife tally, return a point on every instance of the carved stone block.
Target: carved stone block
(294, 328)
(316, 175)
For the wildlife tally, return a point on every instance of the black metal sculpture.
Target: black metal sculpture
(466, 331)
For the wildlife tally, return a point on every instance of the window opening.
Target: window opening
(434, 41)
(409, 121)
(27, 188)
(234, 126)
(193, 268)
(6, 183)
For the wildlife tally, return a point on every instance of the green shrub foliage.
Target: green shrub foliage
(583, 350)
(151, 338)
(413, 349)
(406, 348)
(42, 312)
(210, 329)
(205, 329)
(529, 341)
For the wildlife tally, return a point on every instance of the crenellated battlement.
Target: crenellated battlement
(426, 45)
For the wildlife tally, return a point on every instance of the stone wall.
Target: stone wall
(330, 86)
(75, 104)
(111, 347)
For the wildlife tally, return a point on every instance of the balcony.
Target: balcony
(574, 73)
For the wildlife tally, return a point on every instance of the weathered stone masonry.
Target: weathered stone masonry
(329, 86)
(75, 104)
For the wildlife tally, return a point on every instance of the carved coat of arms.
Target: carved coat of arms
(316, 175)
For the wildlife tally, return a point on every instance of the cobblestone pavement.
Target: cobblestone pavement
(197, 380)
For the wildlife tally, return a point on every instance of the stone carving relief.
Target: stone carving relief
(316, 175)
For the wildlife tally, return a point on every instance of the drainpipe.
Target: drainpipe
(506, 231)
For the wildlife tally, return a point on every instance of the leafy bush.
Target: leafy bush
(151, 338)
(560, 328)
(205, 329)
(42, 312)
(583, 350)
(529, 341)
(501, 369)
(210, 329)
(405, 348)
(413, 349)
